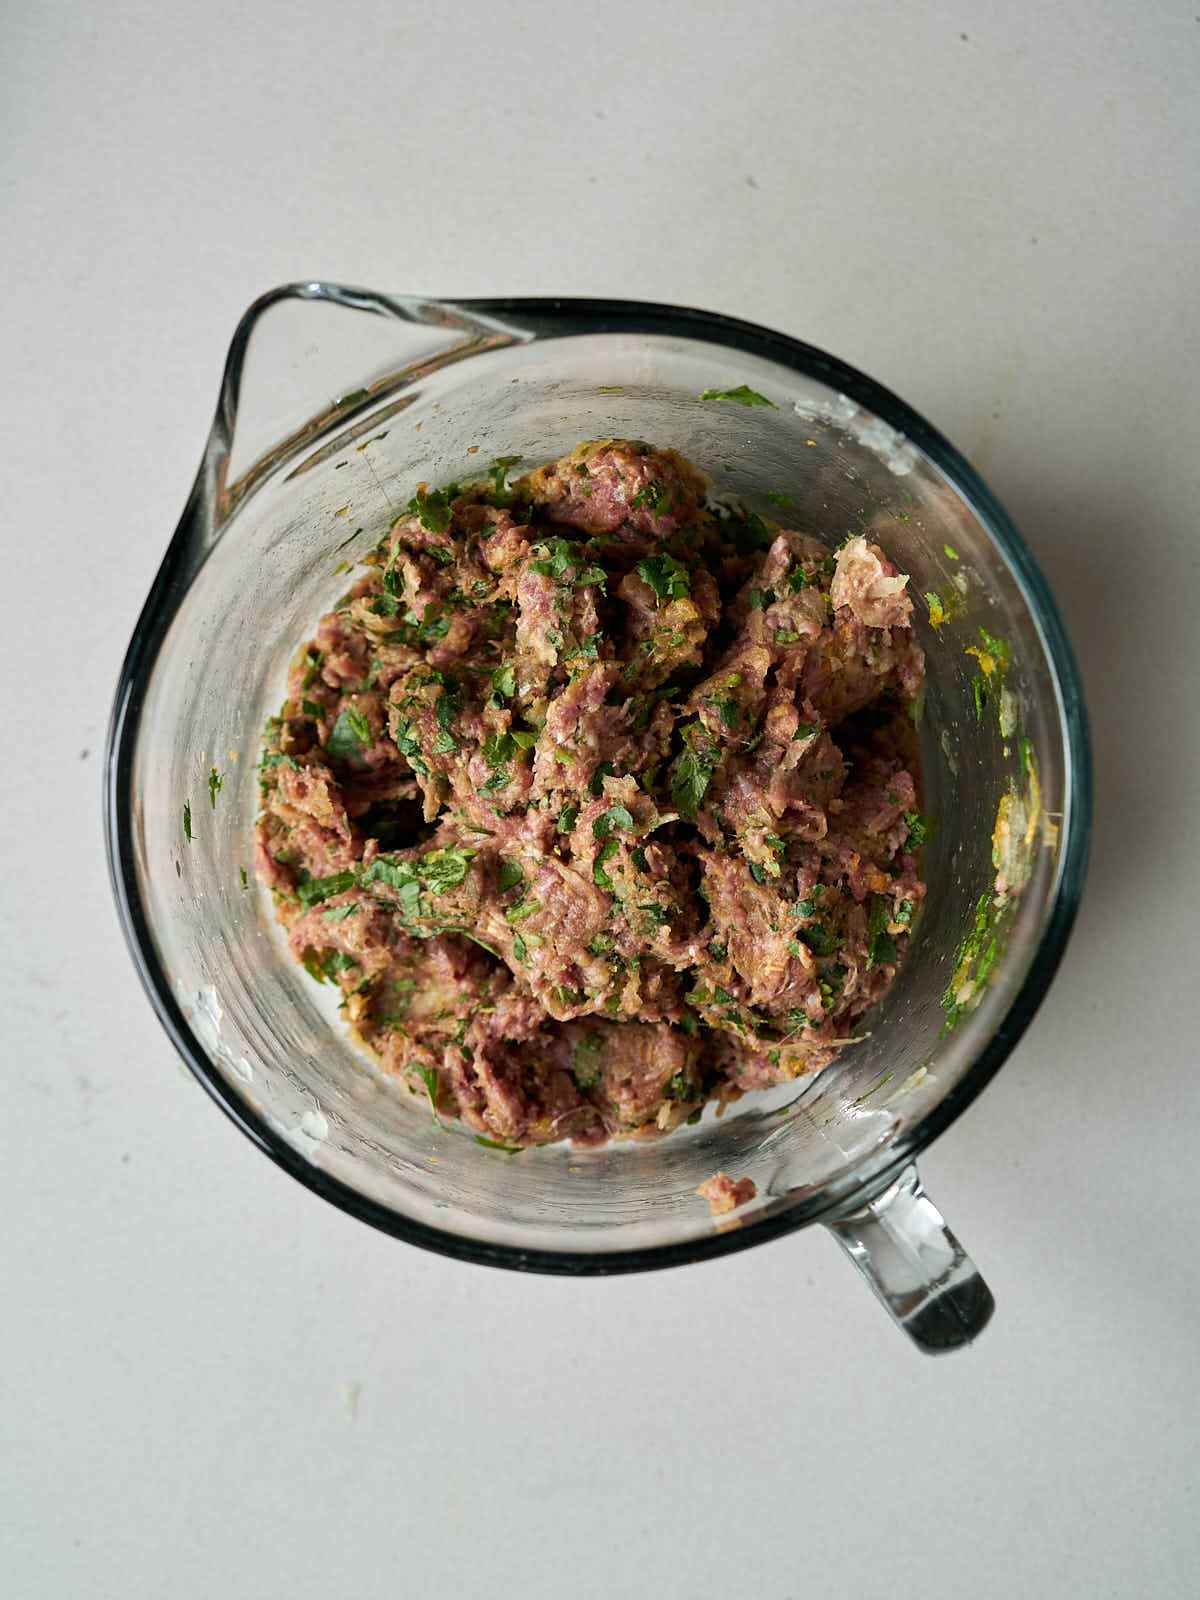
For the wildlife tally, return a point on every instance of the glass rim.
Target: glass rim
(564, 318)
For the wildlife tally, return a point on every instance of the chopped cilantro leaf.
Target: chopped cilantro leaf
(651, 495)
(522, 909)
(340, 913)
(918, 829)
(311, 891)
(351, 734)
(690, 779)
(502, 495)
(668, 579)
(617, 816)
(187, 820)
(605, 853)
(742, 396)
(216, 782)
(596, 784)
(504, 682)
(509, 876)
(566, 819)
(432, 509)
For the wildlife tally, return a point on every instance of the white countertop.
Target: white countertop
(216, 1385)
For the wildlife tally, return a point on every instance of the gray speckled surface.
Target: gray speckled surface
(213, 1383)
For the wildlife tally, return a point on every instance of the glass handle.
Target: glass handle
(308, 355)
(900, 1243)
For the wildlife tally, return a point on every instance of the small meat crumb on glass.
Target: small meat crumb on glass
(724, 1193)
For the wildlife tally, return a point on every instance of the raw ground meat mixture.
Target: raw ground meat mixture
(597, 800)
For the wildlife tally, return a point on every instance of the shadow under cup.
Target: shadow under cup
(335, 405)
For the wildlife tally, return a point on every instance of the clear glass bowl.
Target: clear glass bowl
(335, 404)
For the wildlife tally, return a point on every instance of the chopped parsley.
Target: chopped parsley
(504, 682)
(431, 507)
(351, 734)
(742, 396)
(919, 828)
(501, 494)
(652, 496)
(510, 875)
(311, 891)
(668, 579)
(216, 782)
(522, 909)
(587, 1057)
(187, 820)
(691, 776)
(605, 853)
(340, 913)
(429, 1078)
(596, 783)
(617, 816)
(883, 946)
(566, 819)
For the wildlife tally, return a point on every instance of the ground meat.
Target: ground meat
(725, 1194)
(598, 803)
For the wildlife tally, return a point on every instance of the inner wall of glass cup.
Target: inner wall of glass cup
(275, 1037)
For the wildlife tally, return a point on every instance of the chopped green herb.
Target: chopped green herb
(429, 1078)
(587, 1058)
(522, 909)
(187, 820)
(312, 709)
(742, 396)
(758, 532)
(245, 881)
(502, 495)
(596, 783)
(494, 1144)
(566, 819)
(820, 940)
(652, 496)
(918, 830)
(499, 748)
(311, 891)
(216, 782)
(691, 777)
(351, 734)
(606, 852)
(432, 508)
(951, 552)
(668, 579)
(340, 913)
(509, 876)
(615, 817)
(883, 946)
(504, 682)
